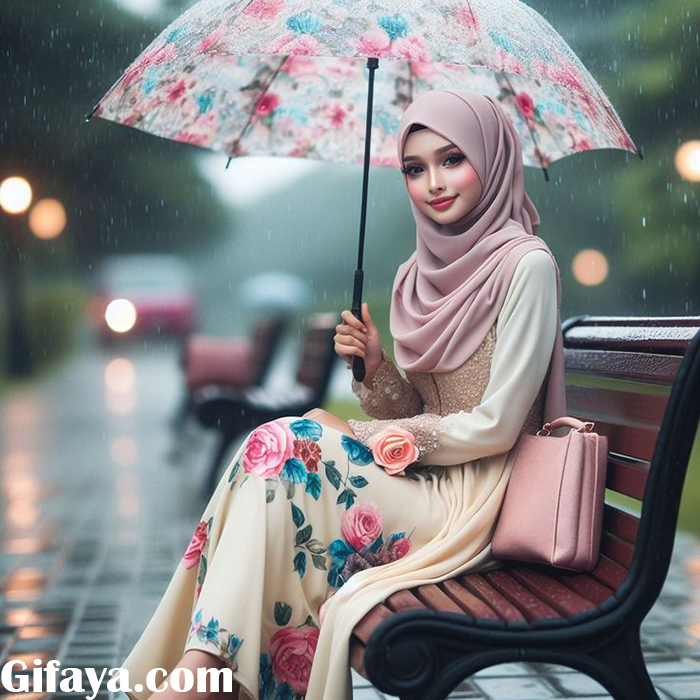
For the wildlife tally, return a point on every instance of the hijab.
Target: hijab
(449, 292)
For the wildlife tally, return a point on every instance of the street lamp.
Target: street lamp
(15, 198)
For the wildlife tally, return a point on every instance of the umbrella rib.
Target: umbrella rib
(532, 133)
(250, 116)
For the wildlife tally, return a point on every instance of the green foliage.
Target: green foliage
(123, 190)
(55, 314)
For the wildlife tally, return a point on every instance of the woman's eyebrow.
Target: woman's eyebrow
(437, 151)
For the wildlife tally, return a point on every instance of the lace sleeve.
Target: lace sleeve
(391, 395)
(425, 429)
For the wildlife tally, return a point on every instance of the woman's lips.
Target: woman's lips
(444, 205)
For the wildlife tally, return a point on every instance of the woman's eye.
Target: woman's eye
(459, 158)
(409, 170)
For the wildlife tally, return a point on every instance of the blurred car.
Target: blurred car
(143, 294)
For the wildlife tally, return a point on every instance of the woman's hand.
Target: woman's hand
(354, 337)
(318, 414)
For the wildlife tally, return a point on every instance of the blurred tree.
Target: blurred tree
(122, 189)
(658, 208)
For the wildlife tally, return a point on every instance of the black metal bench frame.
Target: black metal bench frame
(426, 653)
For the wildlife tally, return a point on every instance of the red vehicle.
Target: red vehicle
(144, 294)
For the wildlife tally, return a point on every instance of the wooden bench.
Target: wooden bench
(232, 412)
(229, 363)
(422, 642)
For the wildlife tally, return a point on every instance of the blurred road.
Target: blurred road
(95, 521)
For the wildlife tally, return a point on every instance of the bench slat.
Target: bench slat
(619, 407)
(468, 601)
(586, 586)
(633, 441)
(550, 591)
(479, 586)
(664, 338)
(357, 656)
(436, 599)
(364, 628)
(404, 600)
(617, 549)
(609, 572)
(636, 366)
(627, 476)
(530, 606)
(619, 523)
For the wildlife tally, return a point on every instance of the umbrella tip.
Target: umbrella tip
(92, 111)
(640, 152)
(229, 162)
(546, 174)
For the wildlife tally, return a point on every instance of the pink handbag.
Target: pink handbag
(552, 512)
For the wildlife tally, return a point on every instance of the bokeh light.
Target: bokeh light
(47, 219)
(590, 267)
(688, 161)
(120, 315)
(15, 195)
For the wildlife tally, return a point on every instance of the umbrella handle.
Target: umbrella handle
(358, 363)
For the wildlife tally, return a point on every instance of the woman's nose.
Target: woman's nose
(435, 181)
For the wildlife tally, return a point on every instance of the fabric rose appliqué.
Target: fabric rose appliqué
(394, 449)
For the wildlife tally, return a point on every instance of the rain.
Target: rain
(125, 253)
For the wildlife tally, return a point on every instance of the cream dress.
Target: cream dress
(303, 514)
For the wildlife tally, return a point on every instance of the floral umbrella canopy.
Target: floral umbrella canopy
(289, 77)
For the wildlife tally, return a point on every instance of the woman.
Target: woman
(304, 515)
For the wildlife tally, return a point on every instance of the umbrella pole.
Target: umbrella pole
(358, 363)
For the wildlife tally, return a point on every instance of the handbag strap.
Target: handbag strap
(566, 421)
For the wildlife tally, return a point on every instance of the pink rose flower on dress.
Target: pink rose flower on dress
(268, 448)
(196, 545)
(292, 651)
(361, 525)
(394, 449)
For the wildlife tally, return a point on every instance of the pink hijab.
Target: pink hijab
(449, 293)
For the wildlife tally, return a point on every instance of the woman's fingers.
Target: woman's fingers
(348, 350)
(349, 318)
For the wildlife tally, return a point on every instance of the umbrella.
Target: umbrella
(275, 290)
(287, 78)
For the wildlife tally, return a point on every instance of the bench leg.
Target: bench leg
(621, 668)
(225, 443)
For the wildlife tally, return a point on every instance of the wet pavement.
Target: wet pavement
(96, 517)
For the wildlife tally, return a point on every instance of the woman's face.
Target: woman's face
(436, 169)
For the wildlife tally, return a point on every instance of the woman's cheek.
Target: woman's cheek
(464, 179)
(414, 190)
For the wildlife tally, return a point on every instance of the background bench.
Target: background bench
(228, 363)
(422, 642)
(232, 412)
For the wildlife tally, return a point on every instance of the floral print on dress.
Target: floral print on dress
(195, 555)
(362, 544)
(235, 77)
(226, 643)
(285, 669)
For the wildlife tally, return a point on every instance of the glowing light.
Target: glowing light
(123, 451)
(120, 315)
(15, 195)
(120, 375)
(687, 161)
(590, 267)
(47, 219)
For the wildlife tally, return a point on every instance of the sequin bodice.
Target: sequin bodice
(440, 393)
